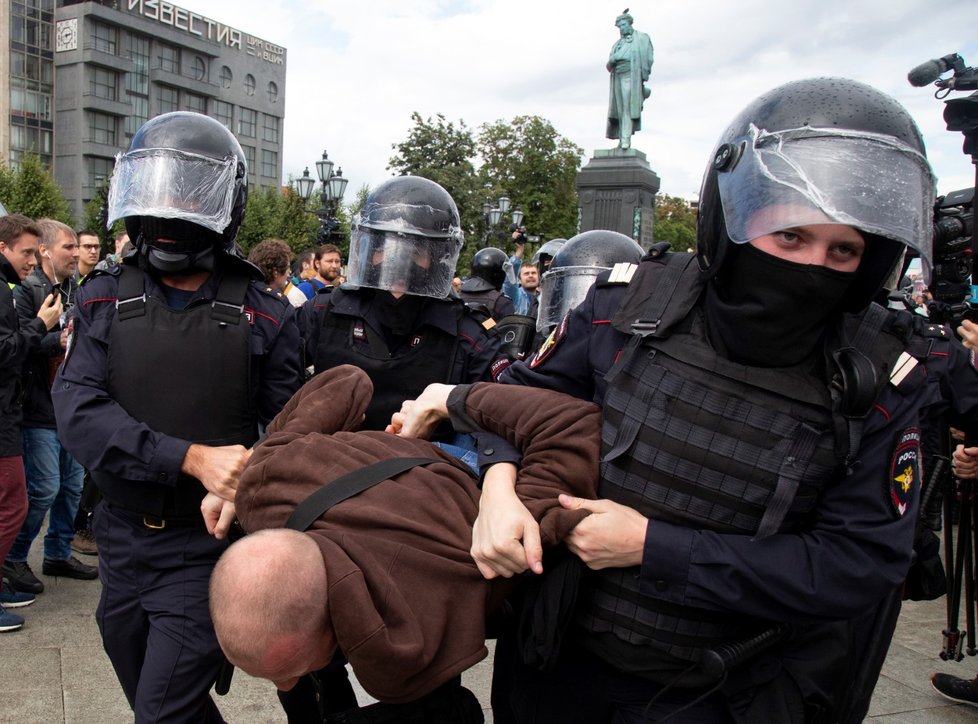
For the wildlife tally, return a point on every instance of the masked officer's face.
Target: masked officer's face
(835, 246)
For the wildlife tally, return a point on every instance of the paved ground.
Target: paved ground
(54, 669)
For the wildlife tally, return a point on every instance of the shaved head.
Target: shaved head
(268, 603)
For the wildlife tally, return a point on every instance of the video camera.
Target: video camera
(954, 240)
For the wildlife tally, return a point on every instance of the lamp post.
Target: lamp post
(492, 215)
(332, 188)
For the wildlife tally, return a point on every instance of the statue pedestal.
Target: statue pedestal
(617, 192)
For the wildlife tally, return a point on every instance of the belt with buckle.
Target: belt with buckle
(157, 522)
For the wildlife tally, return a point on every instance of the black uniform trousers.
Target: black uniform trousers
(153, 614)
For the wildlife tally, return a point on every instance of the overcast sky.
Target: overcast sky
(357, 70)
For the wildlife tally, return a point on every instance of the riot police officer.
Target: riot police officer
(761, 444)
(395, 318)
(576, 266)
(483, 289)
(177, 355)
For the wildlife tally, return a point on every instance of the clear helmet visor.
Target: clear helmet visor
(169, 184)
(402, 263)
(872, 182)
(561, 290)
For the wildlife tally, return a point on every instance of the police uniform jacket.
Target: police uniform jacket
(857, 544)
(101, 435)
(41, 363)
(476, 355)
(16, 340)
(405, 598)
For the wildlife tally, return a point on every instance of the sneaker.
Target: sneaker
(9, 621)
(963, 691)
(69, 568)
(10, 598)
(21, 577)
(84, 543)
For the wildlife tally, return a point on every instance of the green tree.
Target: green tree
(675, 222)
(8, 184)
(528, 161)
(273, 213)
(95, 217)
(359, 201)
(34, 192)
(439, 150)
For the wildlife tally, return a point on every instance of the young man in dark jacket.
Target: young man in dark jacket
(54, 477)
(18, 247)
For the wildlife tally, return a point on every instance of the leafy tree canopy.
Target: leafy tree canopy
(675, 222)
(32, 191)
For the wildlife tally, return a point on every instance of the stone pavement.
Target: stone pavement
(54, 670)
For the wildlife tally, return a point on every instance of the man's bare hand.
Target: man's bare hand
(418, 418)
(613, 536)
(218, 468)
(968, 331)
(218, 515)
(505, 537)
(964, 462)
(50, 311)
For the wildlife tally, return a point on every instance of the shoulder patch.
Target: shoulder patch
(550, 343)
(622, 273)
(934, 330)
(904, 365)
(904, 471)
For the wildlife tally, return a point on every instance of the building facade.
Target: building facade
(83, 76)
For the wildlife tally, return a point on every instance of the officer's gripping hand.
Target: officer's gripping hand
(964, 462)
(613, 536)
(418, 418)
(218, 468)
(218, 515)
(505, 537)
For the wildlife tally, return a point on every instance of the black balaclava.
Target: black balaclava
(766, 311)
(398, 317)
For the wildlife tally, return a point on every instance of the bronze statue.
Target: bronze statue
(629, 64)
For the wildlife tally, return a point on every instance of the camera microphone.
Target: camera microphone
(927, 73)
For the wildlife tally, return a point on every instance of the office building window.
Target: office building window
(249, 84)
(169, 58)
(103, 37)
(269, 163)
(103, 83)
(167, 99)
(272, 92)
(226, 77)
(247, 122)
(224, 112)
(270, 132)
(138, 115)
(137, 48)
(99, 169)
(194, 102)
(200, 68)
(249, 152)
(102, 128)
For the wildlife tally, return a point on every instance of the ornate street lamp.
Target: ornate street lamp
(492, 215)
(332, 188)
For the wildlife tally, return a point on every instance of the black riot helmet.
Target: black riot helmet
(824, 150)
(576, 266)
(542, 259)
(490, 268)
(181, 188)
(406, 239)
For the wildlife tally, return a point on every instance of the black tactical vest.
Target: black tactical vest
(398, 376)
(691, 438)
(184, 373)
